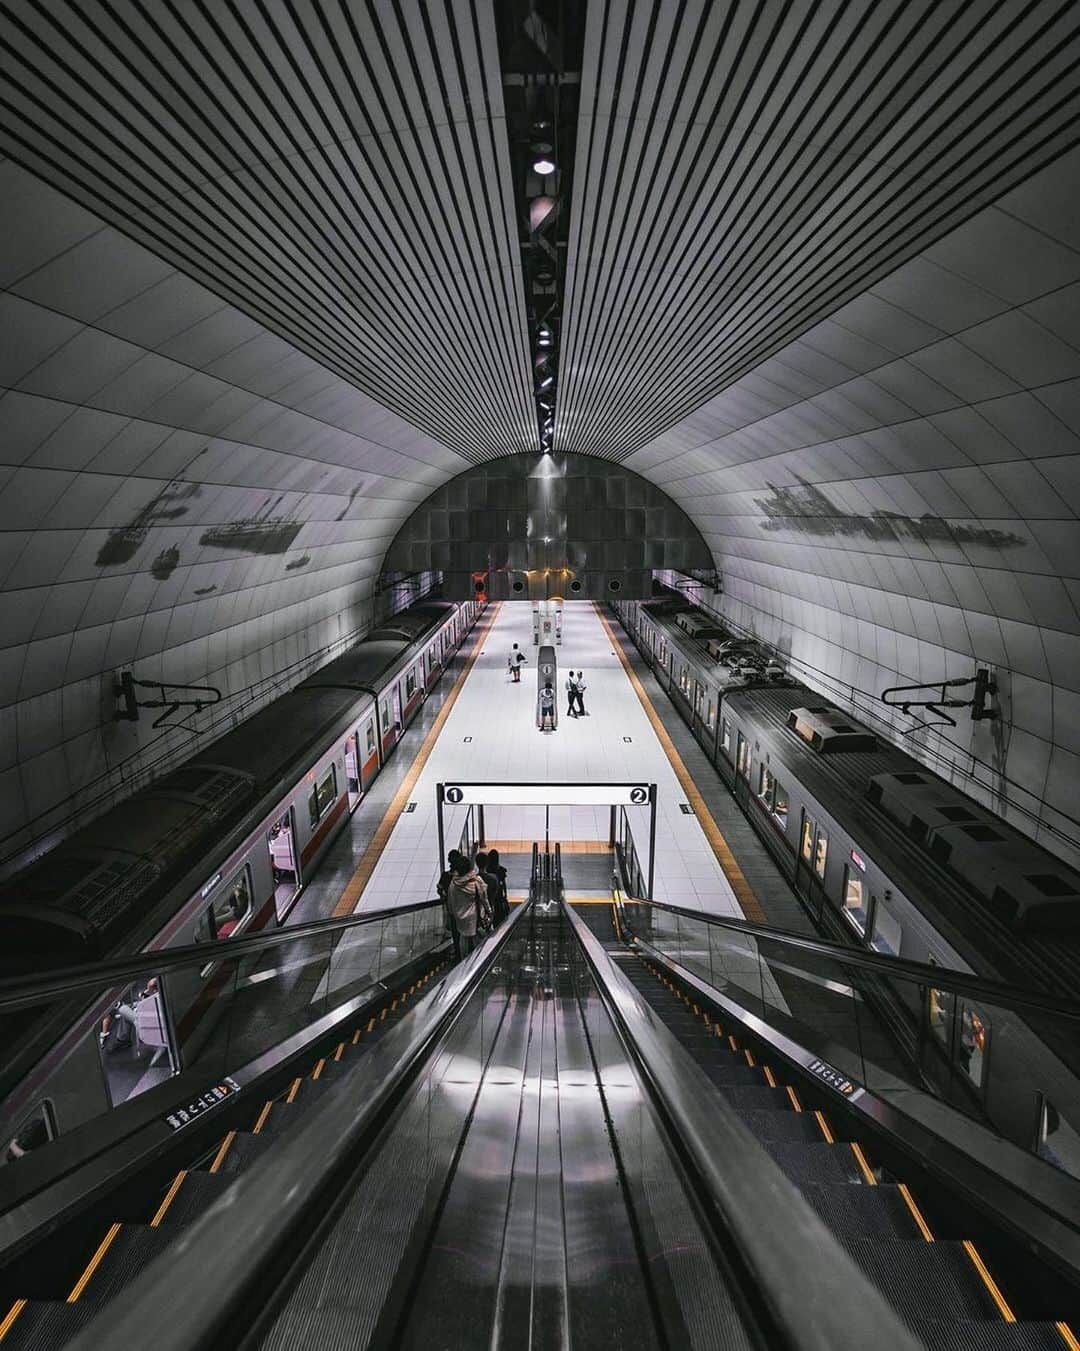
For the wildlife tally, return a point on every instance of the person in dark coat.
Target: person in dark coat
(501, 907)
(490, 878)
(443, 889)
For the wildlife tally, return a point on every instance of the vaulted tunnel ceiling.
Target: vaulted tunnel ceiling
(262, 295)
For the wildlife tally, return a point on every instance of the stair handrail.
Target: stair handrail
(17, 992)
(897, 968)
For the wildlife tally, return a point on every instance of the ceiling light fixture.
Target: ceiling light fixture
(543, 166)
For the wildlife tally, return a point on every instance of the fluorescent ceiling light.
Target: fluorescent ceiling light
(543, 166)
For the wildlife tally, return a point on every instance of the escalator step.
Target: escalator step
(282, 1116)
(244, 1151)
(756, 1097)
(44, 1325)
(864, 1212)
(811, 1163)
(198, 1191)
(728, 1074)
(990, 1336)
(783, 1126)
(134, 1248)
(924, 1280)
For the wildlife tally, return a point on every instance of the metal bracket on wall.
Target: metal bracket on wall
(174, 697)
(984, 687)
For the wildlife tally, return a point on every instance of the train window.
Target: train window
(939, 1012)
(322, 796)
(821, 854)
(806, 845)
(710, 715)
(384, 715)
(410, 683)
(35, 1130)
(725, 736)
(887, 931)
(369, 735)
(1059, 1143)
(855, 900)
(973, 1044)
(774, 795)
(742, 763)
(228, 911)
(684, 680)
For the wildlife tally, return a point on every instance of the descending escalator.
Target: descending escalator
(942, 1289)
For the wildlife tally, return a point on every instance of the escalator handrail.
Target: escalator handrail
(190, 1300)
(896, 968)
(815, 1296)
(24, 991)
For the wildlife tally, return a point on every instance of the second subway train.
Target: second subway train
(890, 856)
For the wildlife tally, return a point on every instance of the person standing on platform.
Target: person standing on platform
(579, 695)
(547, 708)
(515, 662)
(571, 695)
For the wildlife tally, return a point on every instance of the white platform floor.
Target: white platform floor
(505, 744)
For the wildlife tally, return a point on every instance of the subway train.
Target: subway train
(888, 855)
(221, 846)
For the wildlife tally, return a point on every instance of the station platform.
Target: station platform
(490, 734)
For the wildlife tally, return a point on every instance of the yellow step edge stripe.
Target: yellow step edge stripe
(294, 1088)
(95, 1261)
(219, 1157)
(382, 1015)
(262, 1117)
(1067, 1336)
(770, 1078)
(10, 1317)
(988, 1280)
(916, 1213)
(749, 1058)
(794, 1098)
(356, 1036)
(860, 1159)
(371, 1025)
(823, 1126)
(178, 1182)
(340, 1050)
(319, 1068)
(733, 1043)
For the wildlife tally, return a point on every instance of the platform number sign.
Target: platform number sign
(454, 795)
(638, 795)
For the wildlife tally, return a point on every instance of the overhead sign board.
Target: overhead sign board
(548, 794)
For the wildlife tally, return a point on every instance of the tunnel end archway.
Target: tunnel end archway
(527, 528)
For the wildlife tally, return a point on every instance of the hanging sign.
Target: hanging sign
(549, 794)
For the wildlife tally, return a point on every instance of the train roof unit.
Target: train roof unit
(1022, 883)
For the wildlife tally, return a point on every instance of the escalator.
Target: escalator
(547, 1146)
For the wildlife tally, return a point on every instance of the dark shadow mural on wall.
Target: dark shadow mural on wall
(555, 525)
(806, 510)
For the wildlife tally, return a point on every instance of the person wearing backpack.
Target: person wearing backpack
(515, 662)
(571, 695)
(500, 905)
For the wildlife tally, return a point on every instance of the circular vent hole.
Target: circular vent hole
(518, 586)
(614, 584)
(575, 585)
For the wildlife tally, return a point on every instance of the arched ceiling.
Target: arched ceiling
(262, 295)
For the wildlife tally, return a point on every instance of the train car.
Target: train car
(220, 846)
(887, 855)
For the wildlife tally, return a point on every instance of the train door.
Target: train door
(811, 861)
(353, 777)
(136, 1042)
(742, 770)
(285, 862)
(370, 767)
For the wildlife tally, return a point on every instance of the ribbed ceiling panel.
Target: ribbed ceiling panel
(336, 170)
(746, 168)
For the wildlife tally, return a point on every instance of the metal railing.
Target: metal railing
(995, 1053)
(111, 1031)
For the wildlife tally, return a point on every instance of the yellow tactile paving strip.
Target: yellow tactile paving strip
(566, 846)
(354, 889)
(744, 894)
